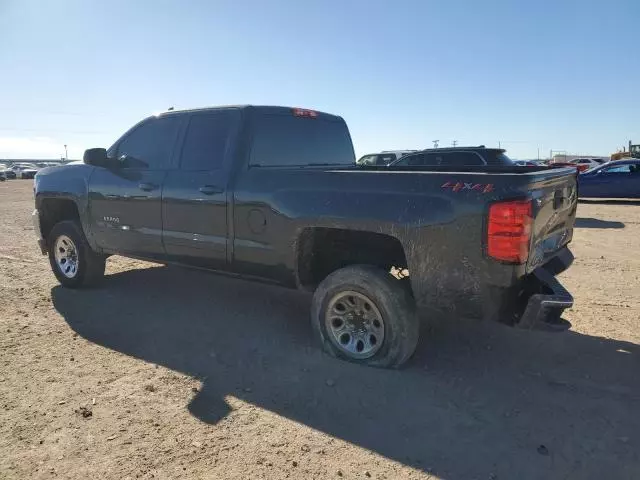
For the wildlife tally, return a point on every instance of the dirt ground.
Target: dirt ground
(168, 373)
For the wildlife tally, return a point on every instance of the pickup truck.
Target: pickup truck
(274, 194)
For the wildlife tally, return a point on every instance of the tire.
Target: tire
(89, 265)
(396, 339)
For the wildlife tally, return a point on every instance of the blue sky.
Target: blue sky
(562, 75)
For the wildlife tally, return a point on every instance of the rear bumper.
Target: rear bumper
(543, 310)
(536, 301)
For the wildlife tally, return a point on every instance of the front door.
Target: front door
(125, 200)
(195, 197)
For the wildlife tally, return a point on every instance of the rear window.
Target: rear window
(287, 140)
(496, 157)
(458, 159)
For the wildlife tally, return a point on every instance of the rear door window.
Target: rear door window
(287, 140)
(207, 140)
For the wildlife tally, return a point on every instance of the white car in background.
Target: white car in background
(383, 158)
(586, 163)
(24, 170)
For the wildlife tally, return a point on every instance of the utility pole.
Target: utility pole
(454, 143)
(538, 153)
(499, 144)
(66, 154)
(435, 143)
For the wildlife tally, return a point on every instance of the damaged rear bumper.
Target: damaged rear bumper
(536, 301)
(544, 309)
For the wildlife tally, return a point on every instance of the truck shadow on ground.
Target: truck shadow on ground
(609, 201)
(477, 401)
(588, 222)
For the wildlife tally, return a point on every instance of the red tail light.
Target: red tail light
(509, 231)
(302, 112)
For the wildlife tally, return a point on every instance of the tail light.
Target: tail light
(303, 112)
(509, 231)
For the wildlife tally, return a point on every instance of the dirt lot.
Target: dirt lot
(168, 373)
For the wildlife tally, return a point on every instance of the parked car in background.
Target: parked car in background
(382, 158)
(24, 170)
(565, 165)
(617, 179)
(8, 174)
(455, 156)
(525, 163)
(585, 163)
(2, 176)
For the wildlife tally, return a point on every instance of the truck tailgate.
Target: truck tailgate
(555, 200)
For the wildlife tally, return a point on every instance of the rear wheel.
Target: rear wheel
(362, 314)
(73, 262)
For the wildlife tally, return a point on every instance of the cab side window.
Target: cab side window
(150, 145)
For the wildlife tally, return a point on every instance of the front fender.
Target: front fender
(70, 182)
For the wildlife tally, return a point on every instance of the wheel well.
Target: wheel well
(55, 210)
(324, 250)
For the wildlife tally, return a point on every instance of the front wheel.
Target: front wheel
(73, 262)
(362, 314)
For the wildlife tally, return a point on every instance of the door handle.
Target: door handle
(147, 187)
(210, 190)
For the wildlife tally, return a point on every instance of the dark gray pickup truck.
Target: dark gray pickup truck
(273, 194)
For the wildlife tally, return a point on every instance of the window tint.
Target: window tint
(385, 159)
(461, 159)
(150, 145)
(206, 140)
(284, 140)
(420, 159)
(444, 158)
(499, 158)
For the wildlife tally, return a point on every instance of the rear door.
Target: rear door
(623, 181)
(125, 201)
(195, 194)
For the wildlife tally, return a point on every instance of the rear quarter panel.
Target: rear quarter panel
(441, 231)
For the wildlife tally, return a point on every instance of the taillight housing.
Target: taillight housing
(303, 112)
(509, 231)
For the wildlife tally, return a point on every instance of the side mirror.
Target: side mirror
(96, 157)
